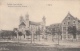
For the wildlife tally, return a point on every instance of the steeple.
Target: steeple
(27, 21)
(44, 19)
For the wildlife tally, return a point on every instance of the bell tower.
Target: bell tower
(21, 19)
(44, 20)
(27, 21)
(43, 25)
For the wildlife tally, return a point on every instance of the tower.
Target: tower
(21, 19)
(43, 26)
(27, 21)
(44, 20)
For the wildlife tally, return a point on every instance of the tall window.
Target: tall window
(73, 21)
(68, 23)
(64, 30)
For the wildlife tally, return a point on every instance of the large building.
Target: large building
(70, 21)
(33, 27)
(65, 30)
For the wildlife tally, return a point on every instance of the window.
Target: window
(68, 23)
(69, 18)
(64, 28)
(64, 23)
(74, 22)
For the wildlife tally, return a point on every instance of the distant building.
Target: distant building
(26, 24)
(7, 34)
(56, 30)
(56, 26)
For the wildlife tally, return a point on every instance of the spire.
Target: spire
(44, 19)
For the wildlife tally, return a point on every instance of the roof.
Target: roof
(57, 24)
(7, 31)
(34, 23)
(22, 24)
(69, 15)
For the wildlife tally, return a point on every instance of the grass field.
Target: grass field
(7, 46)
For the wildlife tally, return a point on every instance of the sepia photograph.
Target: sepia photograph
(39, 25)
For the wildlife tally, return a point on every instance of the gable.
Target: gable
(69, 17)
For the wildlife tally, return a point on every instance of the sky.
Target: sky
(53, 10)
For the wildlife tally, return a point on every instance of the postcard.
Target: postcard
(39, 25)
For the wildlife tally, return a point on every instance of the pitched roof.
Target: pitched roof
(69, 15)
(55, 25)
(22, 24)
(34, 23)
(7, 31)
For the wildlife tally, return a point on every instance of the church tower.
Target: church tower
(27, 21)
(44, 20)
(21, 19)
(43, 25)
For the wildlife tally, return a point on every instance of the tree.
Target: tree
(28, 32)
(38, 32)
(15, 30)
(13, 34)
(47, 31)
(53, 32)
(78, 32)
(72, 30)
(20, 34)
(6, 34)
(57, 31)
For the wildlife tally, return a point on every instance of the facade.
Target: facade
(56, 30)
(7, 34)
(69, 21)
(33, 27)
(63, 28)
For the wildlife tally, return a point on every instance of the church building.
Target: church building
(33, 27)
